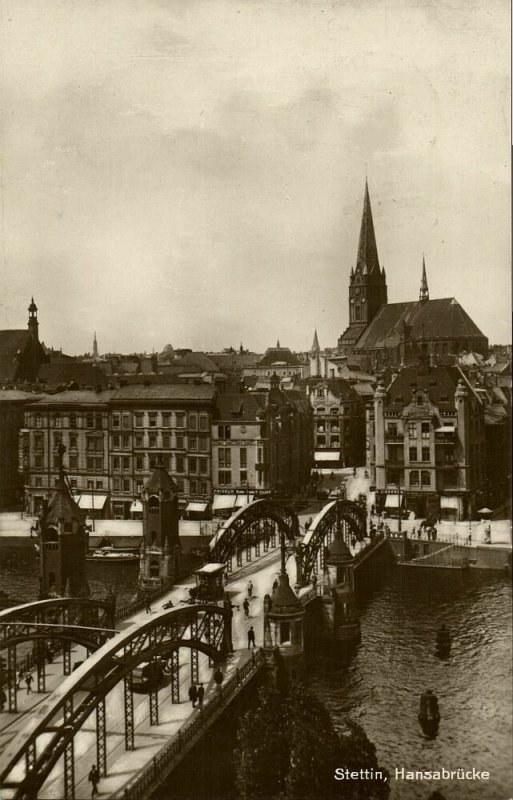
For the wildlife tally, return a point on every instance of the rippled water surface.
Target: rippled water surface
(396, 662)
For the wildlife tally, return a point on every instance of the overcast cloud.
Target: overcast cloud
(193, 172)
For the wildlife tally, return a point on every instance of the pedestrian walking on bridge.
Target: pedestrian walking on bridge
(251, 638)
(201, 695)
(28, 681)
(245, 606)
(93, 778)
(250, 590)
(193, 695)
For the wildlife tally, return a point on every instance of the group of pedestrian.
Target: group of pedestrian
(197, 694)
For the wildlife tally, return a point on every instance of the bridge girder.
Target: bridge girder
(326, 522)
(253, 524)
(202, 627)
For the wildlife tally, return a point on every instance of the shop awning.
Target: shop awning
(326, 455)
(224, 501)
(445, 429)
(196, 506)
(449, 502)
(244, 500)
(392, 501)
(136, 507)
(92, 501)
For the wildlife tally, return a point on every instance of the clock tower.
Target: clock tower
(367, 283)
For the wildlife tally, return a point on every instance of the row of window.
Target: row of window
(192, 486)
(392, 429)
(224, 457)
(142, 463)
(161, 419)
(124, 442)
(225, 477)
(141, 419)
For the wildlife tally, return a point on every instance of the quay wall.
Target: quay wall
(487, 557)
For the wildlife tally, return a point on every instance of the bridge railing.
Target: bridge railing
(369, 547)
(152, 776)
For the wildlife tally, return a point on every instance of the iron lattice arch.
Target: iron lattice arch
(344, 515)
(200, 628)
(257, 524)
(60, 622)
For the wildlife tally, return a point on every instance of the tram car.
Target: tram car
(150, 675)
(209, 583)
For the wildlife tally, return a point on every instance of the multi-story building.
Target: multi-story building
(261, 443)
(113, 439)
(426, 443)
(339, 423)
(80, 421)
(170, 421)
(12, 409)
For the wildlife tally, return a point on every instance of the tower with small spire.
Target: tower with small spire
(95, 347)
(367, 282)
(424, 290)
(63, 543)
(160, 552)
(315, 357)
(33, 324)
(283, 624)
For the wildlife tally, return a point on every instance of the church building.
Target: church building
(384, 334)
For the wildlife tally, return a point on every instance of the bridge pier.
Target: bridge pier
(129, 712)
(69, 757)
(175, 676)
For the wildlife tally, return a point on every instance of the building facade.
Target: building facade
(426, 444)
(261, 444)
(113, 440)
(338, 423)
(12, 413)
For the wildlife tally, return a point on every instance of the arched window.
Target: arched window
(154, 568)
(153, 505)
(425, 478)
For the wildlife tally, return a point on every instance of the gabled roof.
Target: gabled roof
(240, 407)
(440, 382)
(63, 372)
(11, 343)
(62, 506)
(431, 320)
(278, 355)
(165, 392)
(161, 480)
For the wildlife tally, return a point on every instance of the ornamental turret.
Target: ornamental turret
(63, 542)
(160, 554)
(338, 564)
(283, 623)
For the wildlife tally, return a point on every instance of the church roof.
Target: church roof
(431, 320)
(11, 342)
(367, 257)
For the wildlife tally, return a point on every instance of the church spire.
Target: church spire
(424, 290)
(315, 344)
(367, 257)
(95, 346)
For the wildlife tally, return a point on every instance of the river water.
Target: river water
(395, 662)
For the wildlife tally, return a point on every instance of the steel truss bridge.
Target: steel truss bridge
(253, 530)
(50, 625)
(343, 516)
(50, 732)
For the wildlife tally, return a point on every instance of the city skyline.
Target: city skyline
(174, 169)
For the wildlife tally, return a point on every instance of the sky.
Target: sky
(193, 172)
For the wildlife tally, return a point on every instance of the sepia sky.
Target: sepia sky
(192, 171)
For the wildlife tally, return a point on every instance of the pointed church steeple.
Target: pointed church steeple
(367, 249)
(95, 346)
(424, 290)
(315, 344)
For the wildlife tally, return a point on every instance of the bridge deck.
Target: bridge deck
(124, 766)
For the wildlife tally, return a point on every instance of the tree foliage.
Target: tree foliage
(288, 749)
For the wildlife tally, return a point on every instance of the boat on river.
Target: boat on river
(110, 554)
